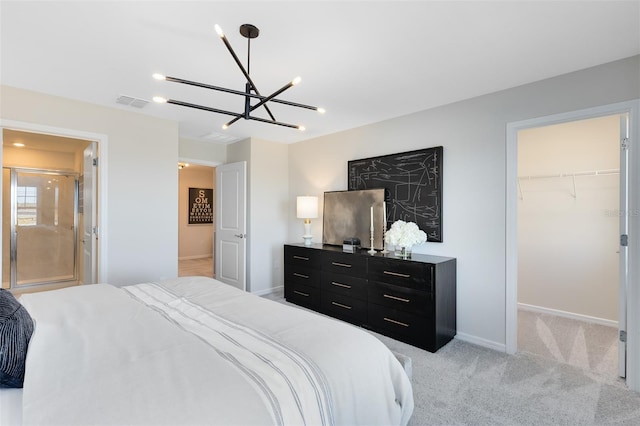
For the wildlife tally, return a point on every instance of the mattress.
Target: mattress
(194, 350)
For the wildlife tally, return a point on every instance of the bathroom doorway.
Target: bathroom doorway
(43, 230)
(45, 196)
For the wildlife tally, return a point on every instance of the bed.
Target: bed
(195, 351)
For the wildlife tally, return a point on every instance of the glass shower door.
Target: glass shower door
(44, 227)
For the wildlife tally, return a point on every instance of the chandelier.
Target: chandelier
(250, 93)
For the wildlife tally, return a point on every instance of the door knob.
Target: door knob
(240, 235)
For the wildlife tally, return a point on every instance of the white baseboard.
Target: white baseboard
(268, 291)
(198, 256)
(500, 347)
(565, 314)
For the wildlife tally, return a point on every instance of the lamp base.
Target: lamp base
(307, 240)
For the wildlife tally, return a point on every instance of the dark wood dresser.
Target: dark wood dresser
(412, 300)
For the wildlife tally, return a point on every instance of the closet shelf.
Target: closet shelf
(573, 175)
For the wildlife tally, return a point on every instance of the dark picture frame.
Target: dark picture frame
(413, 186)
(200, 206)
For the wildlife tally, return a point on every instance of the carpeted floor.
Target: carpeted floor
(465, 384)
(582, 344)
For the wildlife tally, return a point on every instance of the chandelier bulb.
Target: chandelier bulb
(321, 110)
(159, 76)
(225, 126)
(296, 80)
(219, 30)
(302, 128)
(159, 99)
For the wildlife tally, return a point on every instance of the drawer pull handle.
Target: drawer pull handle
(396, 274)
(396, 322)
(401, 299)
(301, 293)
(344, 265)
(341, 305)
(301, 257)
(340, 284)
(295, 274)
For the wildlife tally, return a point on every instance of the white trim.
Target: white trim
(199, 162)
(511, 240)
(570, 315)
(102, 141)
(496, 346)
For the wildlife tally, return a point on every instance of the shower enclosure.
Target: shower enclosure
(40, 211)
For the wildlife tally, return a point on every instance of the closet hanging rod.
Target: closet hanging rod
(573, 174)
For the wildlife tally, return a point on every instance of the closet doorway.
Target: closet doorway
(568, 242)
(49, 193)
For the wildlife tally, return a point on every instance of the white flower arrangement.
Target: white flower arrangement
(404, 234)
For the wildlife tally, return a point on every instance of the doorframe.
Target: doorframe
(511, 243)
(101, 140)
(199, 162)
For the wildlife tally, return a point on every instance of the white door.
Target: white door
(231, 224)
(89, 237)
(624, 255)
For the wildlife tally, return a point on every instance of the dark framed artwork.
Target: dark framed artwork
(413, 186)
(200, 206)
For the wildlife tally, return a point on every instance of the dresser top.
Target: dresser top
(415, 257)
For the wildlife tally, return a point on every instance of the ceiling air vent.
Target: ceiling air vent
(131, 101)
(218, 137)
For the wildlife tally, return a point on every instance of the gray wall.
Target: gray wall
(140, 220)
(473, 134)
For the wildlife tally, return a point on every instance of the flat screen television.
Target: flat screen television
(347, 214)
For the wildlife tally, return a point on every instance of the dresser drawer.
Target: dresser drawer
(344, 308)
(302, 295)
(401, 298)
(344, 263)
(404, 273)
(402, 326)
(300, 256)
(344, 284)
(301, 275)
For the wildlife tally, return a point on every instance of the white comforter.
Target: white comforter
(196, 351)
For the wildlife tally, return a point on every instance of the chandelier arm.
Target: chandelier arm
(235, 114)
(236, 92)
(189, 105)
(279, 123)
(262, 102)
(246, 74)
(295, 104)
(208, 86)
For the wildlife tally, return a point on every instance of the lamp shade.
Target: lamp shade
(307, 207)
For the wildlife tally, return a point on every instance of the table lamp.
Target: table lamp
(307, 209)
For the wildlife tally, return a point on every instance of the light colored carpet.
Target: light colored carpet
(582, 344)
(465, 384)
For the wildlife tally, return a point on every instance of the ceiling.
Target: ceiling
(362, 61)
(42, 142)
